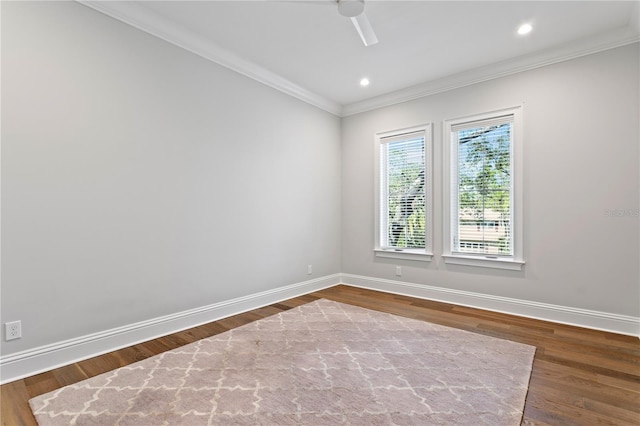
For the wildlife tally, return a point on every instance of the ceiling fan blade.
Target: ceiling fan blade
(364, 29)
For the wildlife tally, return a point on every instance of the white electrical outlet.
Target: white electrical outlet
(398, 270)
(13, 330)
(309, 269)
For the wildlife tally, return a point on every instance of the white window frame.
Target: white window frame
(425, 254)
(450, 166)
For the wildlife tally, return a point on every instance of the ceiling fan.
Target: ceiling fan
(354, 9)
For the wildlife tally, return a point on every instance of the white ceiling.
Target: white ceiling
(307, 49)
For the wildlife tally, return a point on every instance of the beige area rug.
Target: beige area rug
(323, 363)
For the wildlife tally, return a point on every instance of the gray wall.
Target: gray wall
(581, 158)
(140, 180)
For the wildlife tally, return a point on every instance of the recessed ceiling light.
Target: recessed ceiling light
(524, 29)
(364, 82)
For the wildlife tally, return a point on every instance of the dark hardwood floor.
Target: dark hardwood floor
(579, 377)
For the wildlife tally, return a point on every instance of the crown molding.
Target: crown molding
(142, 18)
(609, 40)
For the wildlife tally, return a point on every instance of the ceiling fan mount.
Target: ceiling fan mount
(350, 8)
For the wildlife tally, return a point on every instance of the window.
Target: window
(483, 196)
(403, 193)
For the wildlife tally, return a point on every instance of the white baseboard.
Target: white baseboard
(27, 363)
(615, 323)
(33, 361)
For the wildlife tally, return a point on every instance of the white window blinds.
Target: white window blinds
(402, 181)
(482, 199)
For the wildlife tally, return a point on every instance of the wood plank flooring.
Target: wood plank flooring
(579, 377)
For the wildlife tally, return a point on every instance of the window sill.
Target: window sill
(483, 262)
(418, 255)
